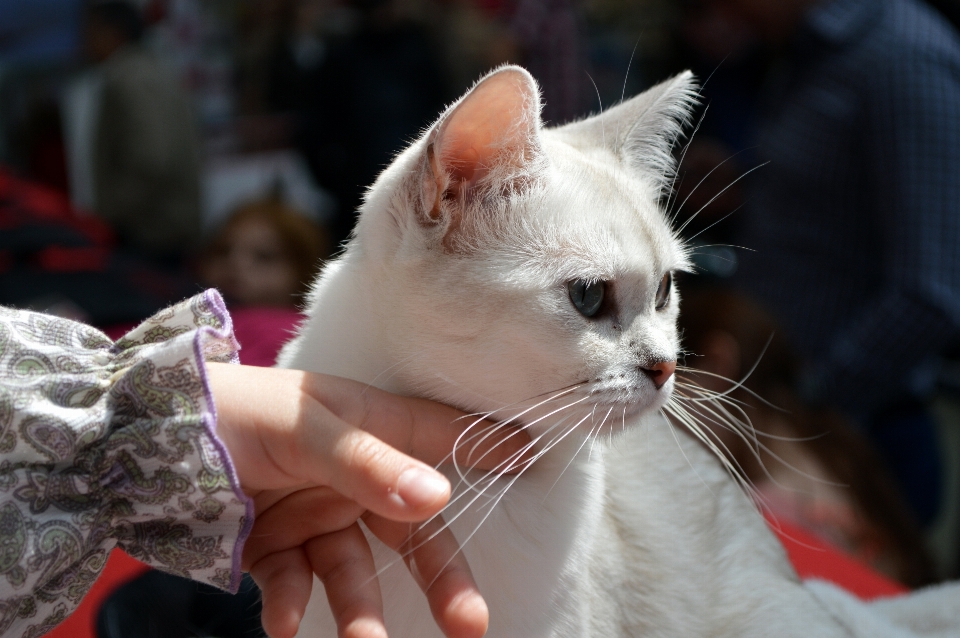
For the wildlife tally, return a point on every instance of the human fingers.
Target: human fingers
(423, 429)
(343, 562)
(296, 518)
(369, 471)
(286, 427)
(280, 436)
(285, 580)
(433, 556)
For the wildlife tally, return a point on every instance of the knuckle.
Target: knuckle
(368, 455)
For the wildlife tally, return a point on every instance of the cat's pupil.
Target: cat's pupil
(663, 292)
(586, 296)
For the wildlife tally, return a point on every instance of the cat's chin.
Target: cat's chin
(600, 415)
(632, 401)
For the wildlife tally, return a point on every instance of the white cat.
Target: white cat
(526, 272)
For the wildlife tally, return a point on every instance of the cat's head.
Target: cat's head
(517, 263)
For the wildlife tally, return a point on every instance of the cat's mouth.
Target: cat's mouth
(630, 397)
(590, 409)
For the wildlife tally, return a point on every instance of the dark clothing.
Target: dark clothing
(856, 219)
(376, 91)
(147, 157)
(548, 32)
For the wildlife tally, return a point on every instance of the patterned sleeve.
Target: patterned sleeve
(107, 445)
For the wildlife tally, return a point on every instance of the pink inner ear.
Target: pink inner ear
(494, 123)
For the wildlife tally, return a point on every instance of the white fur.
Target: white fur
(635, 534)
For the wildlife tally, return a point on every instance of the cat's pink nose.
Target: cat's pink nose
(660, 372)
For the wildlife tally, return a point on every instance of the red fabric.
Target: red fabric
(814, 558)
(82, 623)
(262, 332)
(63, 259)
(22, 200)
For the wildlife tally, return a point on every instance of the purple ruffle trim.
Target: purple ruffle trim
(209, 420)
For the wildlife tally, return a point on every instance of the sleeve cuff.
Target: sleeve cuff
(181, 508)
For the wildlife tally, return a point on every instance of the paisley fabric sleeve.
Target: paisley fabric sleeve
(107, 445)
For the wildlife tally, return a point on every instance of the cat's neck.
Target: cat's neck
(547, 515)
(342, 336)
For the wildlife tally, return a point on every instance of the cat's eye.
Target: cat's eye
(663, 292)
(586, 296)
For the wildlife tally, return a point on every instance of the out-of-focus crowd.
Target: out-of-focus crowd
(151, 147)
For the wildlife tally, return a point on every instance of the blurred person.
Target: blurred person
(807, 465)
(146, 151)
(854, 223)
(265, 254)
(61, 260)
(726, 51)
(360, 92)
(41, 140)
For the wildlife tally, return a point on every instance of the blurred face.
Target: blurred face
(249, 266)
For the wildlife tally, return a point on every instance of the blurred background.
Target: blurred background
(152, 148)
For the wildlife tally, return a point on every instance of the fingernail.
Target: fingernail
(419, 488)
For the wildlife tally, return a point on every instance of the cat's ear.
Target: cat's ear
(485, 144)
(642, 130)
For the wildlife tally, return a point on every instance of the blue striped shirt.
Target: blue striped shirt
(856, 220)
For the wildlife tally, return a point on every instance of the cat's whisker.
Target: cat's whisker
(572, 386)
(456, 465)
(735, 384)
(468, 391)
(477, 495)
(713, 408)
(722, 191)
(592, 437)
(603, 133)
(494, 429)
(682, 452)
(743, 429)
(686, 147)
(761, 446)
(626, 75)
(599, 426)
(575, 454)
(694, 429)
(738, 247)
(691, 393)
(556, 394)
(505, 466)
(480, 523)
(395, 368)
(516, 417)
(727, 403)
(722, 219)
(704, 434)
(699, 184)
(529, 462)
(534, 422)
(716, 412)
(674, 191)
